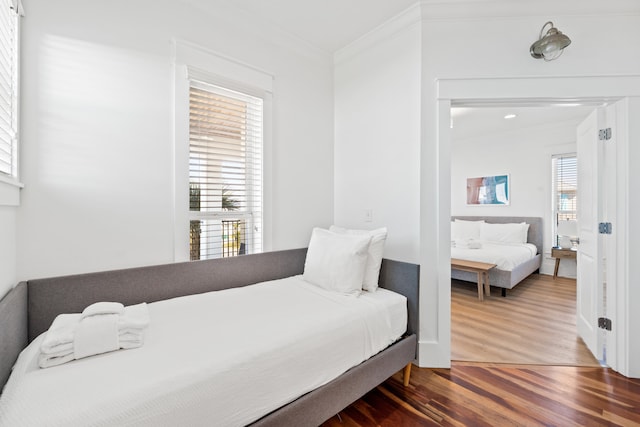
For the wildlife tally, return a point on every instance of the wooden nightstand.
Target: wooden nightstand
(560, 253)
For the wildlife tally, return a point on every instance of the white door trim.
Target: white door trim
(516, 90)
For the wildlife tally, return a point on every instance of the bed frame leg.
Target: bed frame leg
(504, 292)
(406, 374)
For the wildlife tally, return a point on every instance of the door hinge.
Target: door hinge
(605, 228)
(604, 134)
(604, 323)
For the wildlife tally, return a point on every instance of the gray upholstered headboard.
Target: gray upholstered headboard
(534, 236)
(28, 310)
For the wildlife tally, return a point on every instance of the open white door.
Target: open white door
(598, 148)
(589, 260)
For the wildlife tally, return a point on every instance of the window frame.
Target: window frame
(250, 210)
(191, 61)
(10, 184)
(555, 211)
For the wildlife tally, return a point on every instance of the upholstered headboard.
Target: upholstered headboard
(13, 329)
(534, 236)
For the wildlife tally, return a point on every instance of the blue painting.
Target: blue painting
(488, 190)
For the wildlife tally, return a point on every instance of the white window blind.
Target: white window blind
(10, 11)
(565, 186)
(225, 172)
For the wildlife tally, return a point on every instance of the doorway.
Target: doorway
(536, 322)
(435, 326)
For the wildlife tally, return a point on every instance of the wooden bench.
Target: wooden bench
(480, 268)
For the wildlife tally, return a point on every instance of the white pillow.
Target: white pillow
(336, 262)
(504, 233)
(454, 231)
(467, 229)
(374, 256)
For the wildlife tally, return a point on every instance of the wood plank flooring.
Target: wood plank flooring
(532, 327)
(534, 324)
(471, 394)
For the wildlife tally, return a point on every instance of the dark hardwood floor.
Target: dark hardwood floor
(528, 387)
(482, 394)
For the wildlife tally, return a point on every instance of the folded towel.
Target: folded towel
(95, 335)
(98, 329)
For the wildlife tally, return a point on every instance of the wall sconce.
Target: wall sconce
(551, 45)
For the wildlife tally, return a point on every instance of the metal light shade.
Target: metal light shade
(551, 45)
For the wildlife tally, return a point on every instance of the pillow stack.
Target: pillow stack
(345, 260)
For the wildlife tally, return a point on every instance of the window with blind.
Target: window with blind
(10, 12)
(565, 186)
(225, 172)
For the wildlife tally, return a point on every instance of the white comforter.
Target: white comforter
(506, 256)
(221, 358)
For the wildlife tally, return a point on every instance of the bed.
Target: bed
(514, 260)
(28, 310)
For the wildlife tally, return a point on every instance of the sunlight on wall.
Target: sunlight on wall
(95, 115)
(97, 158)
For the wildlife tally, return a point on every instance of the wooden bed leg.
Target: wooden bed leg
(504, 292)
(406, 374)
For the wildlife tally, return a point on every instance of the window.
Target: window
(565, 186)
(10, 12)
(225, 172)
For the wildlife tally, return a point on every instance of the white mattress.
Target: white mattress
(222, 358)
(506, 256)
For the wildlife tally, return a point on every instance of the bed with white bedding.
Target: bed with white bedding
(506, 256)
(235, 355)
(262, 339)
(514, 244)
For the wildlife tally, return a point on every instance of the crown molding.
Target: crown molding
(438, 10)
(401, 22)
(460, 10)
(267, 31)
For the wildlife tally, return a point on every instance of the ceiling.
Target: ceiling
(330, 25)
(327, 24)
(476, 121)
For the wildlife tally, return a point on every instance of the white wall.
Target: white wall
(97, 130)
(377, 130)
(525, 155)
(459, 42)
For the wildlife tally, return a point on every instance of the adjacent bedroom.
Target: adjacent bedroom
(513, 235)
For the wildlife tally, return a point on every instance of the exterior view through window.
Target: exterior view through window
(565, 187)
(225, 172)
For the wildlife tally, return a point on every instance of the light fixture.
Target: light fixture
(551, 45)
(510, 116)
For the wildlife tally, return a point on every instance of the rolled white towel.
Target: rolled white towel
(99, 308)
